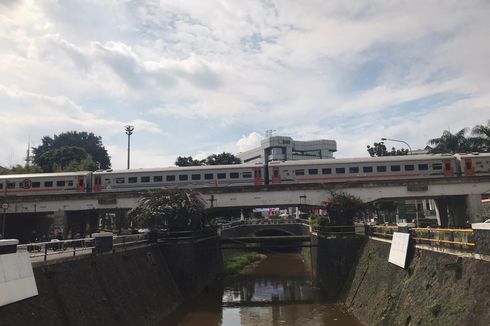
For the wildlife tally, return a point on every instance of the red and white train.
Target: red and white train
(278, 172)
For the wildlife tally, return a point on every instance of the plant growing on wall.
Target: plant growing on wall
(177, 209)
(343, 208)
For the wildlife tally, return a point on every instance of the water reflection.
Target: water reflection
(278, 292)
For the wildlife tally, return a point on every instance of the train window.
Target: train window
(395, 168)
(70, 183)
(367, 169)
(60, 183)
(196, 177)
(299, 172)
(437, 166)
(221, 175)
(327, 171)
(208, 176)
(37, 184)
(354, 169)
(381, 168)
(132, 180)
(468, 164)
(312, 171)
(234, 175)
(10, 185)
(145, 179)
(48, 183)
(339, 170)
(183, 177)
(423, 167)
(120, 180)
(247, 175)
(409, 167)
(157, 178)
(170, 177)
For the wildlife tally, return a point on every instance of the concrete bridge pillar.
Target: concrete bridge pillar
(474, 209)
(441, 212)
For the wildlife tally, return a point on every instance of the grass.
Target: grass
(236, 264)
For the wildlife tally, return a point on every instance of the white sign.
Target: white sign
(399, 249)
(5, 206)
(16, 278)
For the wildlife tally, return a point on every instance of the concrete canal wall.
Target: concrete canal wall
(135, 287)
(435, 288)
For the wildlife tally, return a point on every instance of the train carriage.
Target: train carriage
(178, 177)
(376, 168)
(45, 183)
(474, 164)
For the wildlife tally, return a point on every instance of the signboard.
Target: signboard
(16, 278)
(417, 187)
(5, 205)
(399, 249)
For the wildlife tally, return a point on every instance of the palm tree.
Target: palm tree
(481, 137)
(451, 143)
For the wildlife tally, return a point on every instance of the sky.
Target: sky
(203, 77)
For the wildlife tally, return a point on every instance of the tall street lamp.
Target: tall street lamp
(129, 131)
(400, 141)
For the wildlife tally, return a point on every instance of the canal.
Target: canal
(280, 290)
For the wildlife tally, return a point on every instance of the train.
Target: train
(247, 174)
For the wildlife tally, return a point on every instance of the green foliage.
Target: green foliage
(379, 149)
(237, 263)
(318, 220)
(451, 143)
(435, 308)
(213, 159)
(19, 169)
(344, 208)
(59, 153)
(172, 209)
(481, 137)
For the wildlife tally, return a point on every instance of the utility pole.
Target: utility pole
(129, 131)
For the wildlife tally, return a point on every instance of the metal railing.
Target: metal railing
(58, 248)
(335, 230)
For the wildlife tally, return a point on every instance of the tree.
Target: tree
(213, 159)
(59, 152)
(379, 149)
(451, 143)
(188, 161)
(19, 169)
(180, 209)
(343, 208)
(222, 159)
(481, 137)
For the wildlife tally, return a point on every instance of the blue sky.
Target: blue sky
(201, 77)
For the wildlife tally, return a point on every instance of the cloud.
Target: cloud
(250, 141)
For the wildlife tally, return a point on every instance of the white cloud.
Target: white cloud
(250, 141)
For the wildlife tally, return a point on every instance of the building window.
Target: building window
(367, 169)
(60, 183)
(145, 179)
(120, 180)
(46, 184)
(312, 171)
(423, 167)
(409, 167)
(157, 178)
(395, 168)
(170, 177)
(339, 170)
(183, 177)
(221, 175)
(234, 175)
(327, 171)
(247, 175)
(354, 169)
(132, 180)
(38, 184)
(299, 172)
(208, 176)
(381, 168)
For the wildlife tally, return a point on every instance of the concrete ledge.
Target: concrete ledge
(480, 226)
(8, 246)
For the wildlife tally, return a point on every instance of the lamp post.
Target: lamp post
(399, 141)
(129, 131)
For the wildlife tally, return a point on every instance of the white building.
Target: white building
(281, 148)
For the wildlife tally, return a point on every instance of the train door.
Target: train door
(448, 169)
(468, 167)
(80, 183)
(276, 178)
(258, 176)
(97, 183)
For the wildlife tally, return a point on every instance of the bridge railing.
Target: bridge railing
(461, 239)
(57, 248)
(336, 230)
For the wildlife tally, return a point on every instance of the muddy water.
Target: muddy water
(279, 291)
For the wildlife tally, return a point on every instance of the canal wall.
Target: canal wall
(134, 287)
(435, 288)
